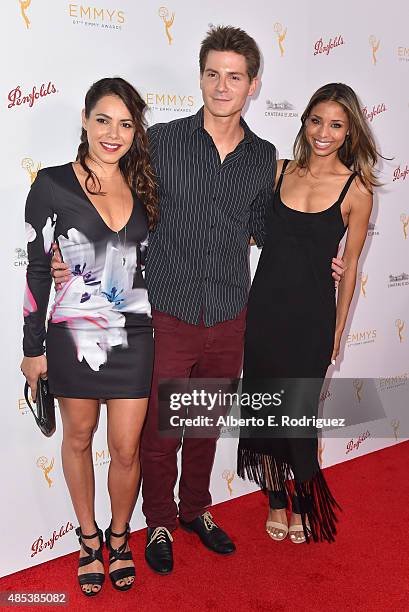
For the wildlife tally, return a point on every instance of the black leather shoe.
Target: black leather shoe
(158, 551)
(210, 534)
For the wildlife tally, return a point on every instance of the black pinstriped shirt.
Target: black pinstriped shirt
(197, 262)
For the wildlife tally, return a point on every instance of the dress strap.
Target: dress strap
(346, 187)
(280, 180)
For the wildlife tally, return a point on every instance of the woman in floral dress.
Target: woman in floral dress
(98, 343)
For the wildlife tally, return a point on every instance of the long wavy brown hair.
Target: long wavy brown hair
(358, 153)
(135, 165)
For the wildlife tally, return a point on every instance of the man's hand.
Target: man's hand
(59, 270)
(338, 269)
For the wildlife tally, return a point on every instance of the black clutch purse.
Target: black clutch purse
(44, 412)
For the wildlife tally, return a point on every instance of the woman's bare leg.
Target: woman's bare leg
(125, 422)
(79, 418)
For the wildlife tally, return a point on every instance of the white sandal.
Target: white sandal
(270, 525)
(297, 529)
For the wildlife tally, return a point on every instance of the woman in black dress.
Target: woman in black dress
(98, 343)
(294, 322)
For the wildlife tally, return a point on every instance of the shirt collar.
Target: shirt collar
(198, 122)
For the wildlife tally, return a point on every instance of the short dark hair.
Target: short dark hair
(227, 38)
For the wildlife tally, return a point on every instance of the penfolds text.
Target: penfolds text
(17, 98)
(353, 445)
(41, 544)
(400, 174)
(321, 47)
(376, 110)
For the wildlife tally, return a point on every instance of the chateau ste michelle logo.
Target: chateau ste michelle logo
(282, 108)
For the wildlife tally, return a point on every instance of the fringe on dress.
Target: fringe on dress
(317, 504)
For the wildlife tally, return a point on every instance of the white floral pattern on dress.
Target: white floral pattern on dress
(80, 254)
(95, 326)
(48, 233)
(92, 309)
(31, 234)
(117, 280)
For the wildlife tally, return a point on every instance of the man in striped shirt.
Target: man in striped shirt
(216, 179)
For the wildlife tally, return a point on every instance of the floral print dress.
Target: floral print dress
(98, 340)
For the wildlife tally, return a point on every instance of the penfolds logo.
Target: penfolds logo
(40, 544)
(353, 445)
(376, 110)
(400, 174)
(325, 395)
(16, 97)
(321, 47)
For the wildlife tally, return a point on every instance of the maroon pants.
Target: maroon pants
(183, 351)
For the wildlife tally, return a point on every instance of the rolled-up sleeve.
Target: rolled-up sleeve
(258, 213)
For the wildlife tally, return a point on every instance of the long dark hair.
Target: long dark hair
(136, 166)
(358, 153)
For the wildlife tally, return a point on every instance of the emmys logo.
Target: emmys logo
(280, 109)
(395, 426)
(400, 174)
(405, 222)
(102, 458)
(42, 463)
(372, 229)
(363, 280)
(28, 165)
(354, 445)
(16, 97)
(24, 4)
(398, 280)
(403, 54)
(358, 384)
(169, 102)
(40, 544)
(320, 47)
(400, 326)
(374, 44)
(22, 406)
(21, 258)
(357, 338)
(376, 110)
(392, 382)
(95, 17)
(164, 15)
(228, 476)
(280, 33)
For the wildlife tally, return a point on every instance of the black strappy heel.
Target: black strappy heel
(94, 554)
(118, 554)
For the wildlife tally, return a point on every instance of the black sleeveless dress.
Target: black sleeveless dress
(288, 345)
